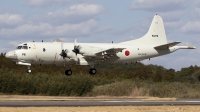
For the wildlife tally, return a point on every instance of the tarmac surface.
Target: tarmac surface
(96, 102)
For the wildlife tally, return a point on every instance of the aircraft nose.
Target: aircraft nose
(11, 55)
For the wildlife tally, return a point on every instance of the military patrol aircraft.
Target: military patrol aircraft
(58, 53)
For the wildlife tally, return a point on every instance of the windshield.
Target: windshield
(19, 47)
(22, 47)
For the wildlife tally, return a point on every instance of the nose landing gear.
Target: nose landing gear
(29, 70)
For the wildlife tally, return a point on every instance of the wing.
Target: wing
(105, 56)
(110, 51)
(166, 46)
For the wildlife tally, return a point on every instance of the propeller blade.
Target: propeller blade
(74, 42)
(61, 45)
(75, 50)
(63, 52)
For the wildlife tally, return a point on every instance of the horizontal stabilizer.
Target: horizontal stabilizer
(167, 45)
(185, 47)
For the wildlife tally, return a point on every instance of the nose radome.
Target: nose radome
(11, 55)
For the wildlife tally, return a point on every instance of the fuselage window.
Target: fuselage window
(25, 47)
(19, 47)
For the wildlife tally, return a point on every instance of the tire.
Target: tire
(93, 71)
(28, 71)
(68, 72)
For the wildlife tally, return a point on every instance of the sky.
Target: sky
(102, 21)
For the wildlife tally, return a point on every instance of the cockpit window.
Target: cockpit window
(19, 47)
(24, 47)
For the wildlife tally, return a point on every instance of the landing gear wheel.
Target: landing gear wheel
(92, 71)
(28, 71)
(68, 72)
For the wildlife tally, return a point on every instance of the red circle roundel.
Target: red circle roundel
(127, 53)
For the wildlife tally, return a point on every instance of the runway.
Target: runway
(85, 103)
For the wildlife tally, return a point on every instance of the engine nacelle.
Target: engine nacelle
(88, 50)
(71, 54)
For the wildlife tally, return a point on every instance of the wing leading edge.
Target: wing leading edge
(110, 51)
(105, 56)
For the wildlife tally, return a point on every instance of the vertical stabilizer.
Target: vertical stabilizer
(155, 36)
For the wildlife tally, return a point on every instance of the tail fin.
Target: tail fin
(155, 36)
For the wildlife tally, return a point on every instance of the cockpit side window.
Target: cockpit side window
(24, 47)
(19, 47)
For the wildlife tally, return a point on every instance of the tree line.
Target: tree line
(50, 80)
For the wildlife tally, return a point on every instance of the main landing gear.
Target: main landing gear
(92, 70)
(68, 72)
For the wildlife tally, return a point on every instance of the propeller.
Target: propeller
(76, 48)
(70, 54)
(63, 52)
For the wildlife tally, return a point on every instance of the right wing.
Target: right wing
(110, 51)
(105, 56)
